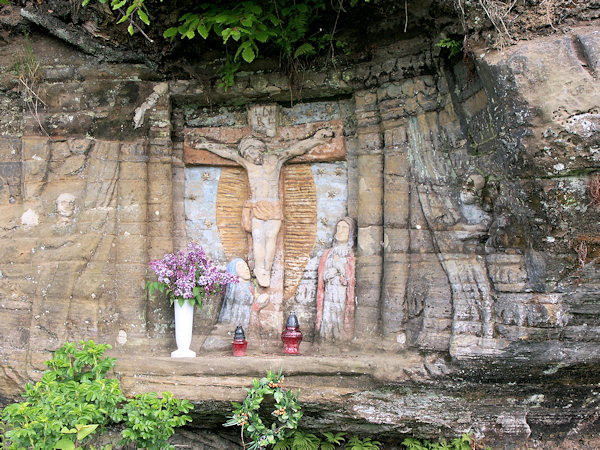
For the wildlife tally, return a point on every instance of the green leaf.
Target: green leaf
(130, 10)
(304, 49)
(226, 34)
(65, 444)
(203, 30)
(143, 16)
(278, 396)
(248, 20)
(261, 36)
(118, 4)
(85, 430)
(130, 29)
(170, 32)
(254, 9)
(221, 18)
(248, 54)
(127, 13)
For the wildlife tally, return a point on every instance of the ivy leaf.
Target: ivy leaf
(248, 54)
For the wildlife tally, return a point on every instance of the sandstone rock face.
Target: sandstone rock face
(477, 287)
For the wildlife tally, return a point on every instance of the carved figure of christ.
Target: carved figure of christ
(263, 215)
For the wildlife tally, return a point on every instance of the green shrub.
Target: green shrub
(151, 420)
(246, 27)
(74, 399)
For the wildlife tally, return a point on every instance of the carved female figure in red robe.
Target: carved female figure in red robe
(335, 291)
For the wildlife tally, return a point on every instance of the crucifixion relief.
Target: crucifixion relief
(262, 149)
(262, 214)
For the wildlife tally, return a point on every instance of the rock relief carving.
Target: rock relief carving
(454, 231)
(335, 291)
(263, 149)
(262, 214)
(276, 229)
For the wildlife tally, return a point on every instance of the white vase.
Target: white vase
(184, 322)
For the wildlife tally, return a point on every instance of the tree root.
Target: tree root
(84, 42)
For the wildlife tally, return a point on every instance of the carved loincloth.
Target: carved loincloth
(262, 210)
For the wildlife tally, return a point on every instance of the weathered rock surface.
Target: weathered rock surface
(478, 301)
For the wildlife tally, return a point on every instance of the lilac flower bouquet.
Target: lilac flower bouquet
(188, 275)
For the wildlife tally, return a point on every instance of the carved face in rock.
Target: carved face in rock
(65, 205)
(242, 270)
(470, 193)
(342, 232)
(252, 149)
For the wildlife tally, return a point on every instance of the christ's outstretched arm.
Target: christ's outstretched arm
(322, 136)
(222, 150)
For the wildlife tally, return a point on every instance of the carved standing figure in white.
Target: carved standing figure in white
(239, 297)
(335, 290)
(262, 214)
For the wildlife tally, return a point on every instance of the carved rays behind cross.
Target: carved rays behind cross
(300, 212)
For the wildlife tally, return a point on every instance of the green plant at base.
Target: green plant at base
(300, 440)
(355, 443)
(73, 392)
(74, 399)
(465, 442)
(283, 434)
(287, 412)
(151, 420)
(80, 432)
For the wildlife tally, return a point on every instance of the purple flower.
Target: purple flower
(190, 275)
